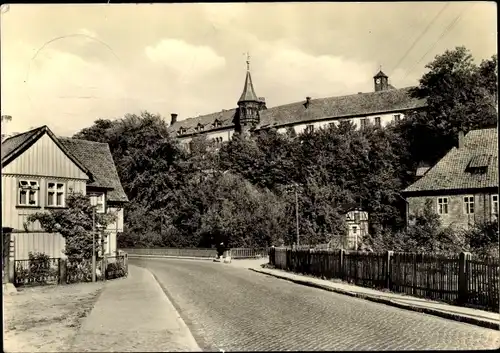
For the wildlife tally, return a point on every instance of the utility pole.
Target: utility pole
(297, 212)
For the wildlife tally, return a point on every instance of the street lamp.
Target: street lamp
(93, 203)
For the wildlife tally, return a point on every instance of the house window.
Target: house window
(309, 128)
(469, 204)
(354, 229)
(442, 205)
(397, 117)
(364, 123)
(56, 194)
(331, 125)
(494, 205)
(98, 199)
(377, 121)
(28, 193)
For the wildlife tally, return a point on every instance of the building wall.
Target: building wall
(456, 216)
(385, 119)
(225, 135)
(13, 215)
(51, 244)
(113, 229)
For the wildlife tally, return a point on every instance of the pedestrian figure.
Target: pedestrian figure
(220, 250)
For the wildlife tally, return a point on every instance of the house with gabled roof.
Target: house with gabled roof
(384, 105)
(463, 186)
(39, 171)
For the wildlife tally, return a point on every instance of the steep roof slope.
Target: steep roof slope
(96, 156)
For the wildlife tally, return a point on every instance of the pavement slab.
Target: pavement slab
(133, 314)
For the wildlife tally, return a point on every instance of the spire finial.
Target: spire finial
(248, 61)
(380, 67)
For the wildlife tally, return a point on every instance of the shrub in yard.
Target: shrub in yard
(39, 269)
(79, 271)
(115, 270)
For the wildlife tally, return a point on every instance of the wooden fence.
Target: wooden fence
(458, 279)
(236, 253)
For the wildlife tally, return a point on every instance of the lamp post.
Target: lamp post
(93, 202)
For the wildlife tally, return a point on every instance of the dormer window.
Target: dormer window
(200, 128)
(478, 164)
(182, 130)
(216, 123)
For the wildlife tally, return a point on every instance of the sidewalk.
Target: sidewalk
(472, 316)
(134, 315)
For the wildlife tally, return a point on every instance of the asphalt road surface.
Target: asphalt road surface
(230, 308)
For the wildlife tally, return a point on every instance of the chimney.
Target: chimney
(308, 101)
(460, 139)
(174, 118)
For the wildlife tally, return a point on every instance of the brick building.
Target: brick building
(381, 107)
(463, 186)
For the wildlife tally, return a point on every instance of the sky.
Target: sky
(67, 65)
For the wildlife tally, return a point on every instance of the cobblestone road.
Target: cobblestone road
(236, 309)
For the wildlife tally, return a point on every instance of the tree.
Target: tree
(460, 96)
(6, 118)
(74, 224)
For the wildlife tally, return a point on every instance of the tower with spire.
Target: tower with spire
(249, 105)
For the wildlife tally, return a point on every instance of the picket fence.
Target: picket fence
(458, 279)
(235, 253)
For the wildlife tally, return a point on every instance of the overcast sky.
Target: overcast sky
(67, 65)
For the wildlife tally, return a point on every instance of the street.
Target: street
(231, 308)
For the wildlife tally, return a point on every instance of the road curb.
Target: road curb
(451, 316)
(179, 318)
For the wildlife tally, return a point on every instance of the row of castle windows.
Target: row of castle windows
(364, 122)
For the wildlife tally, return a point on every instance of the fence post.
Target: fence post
(63, 270)
(341, 263)
(463, 287)
(388, 268)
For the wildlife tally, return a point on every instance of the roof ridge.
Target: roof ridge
(82, 140)
(26, 132)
